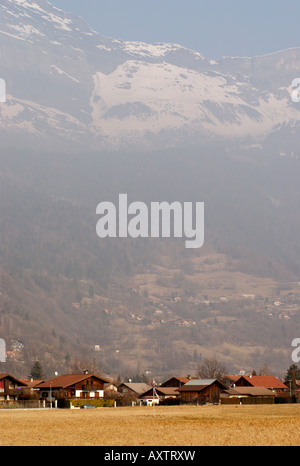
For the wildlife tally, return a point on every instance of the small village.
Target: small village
(88, 390)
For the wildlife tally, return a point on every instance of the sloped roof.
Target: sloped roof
(11, 377)
(200, 381)
(180, 379)
(32, 383)
(64, 381)
(231, 377)
(199, 384)
(267, 381)
(250, 391)
(138, 387)
(164, 391)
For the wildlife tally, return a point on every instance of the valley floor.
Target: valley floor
(188, 426)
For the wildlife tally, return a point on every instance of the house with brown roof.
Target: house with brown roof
(132, 389)
(168, 395)
(72, 386)
(10, 387)
(30, 390)
(243, 392)
(175, 381)
(267, 381)
(201, 391)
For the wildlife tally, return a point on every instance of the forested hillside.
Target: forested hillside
(130, 305)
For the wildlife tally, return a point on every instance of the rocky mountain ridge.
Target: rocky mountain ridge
(68, 83)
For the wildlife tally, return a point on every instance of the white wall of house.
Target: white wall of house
(100, 393)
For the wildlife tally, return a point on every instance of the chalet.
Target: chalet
(267, 381)
(133, 389)
(175, 382)
(110, 386)
(111, 392)
(10, 387)
(164, 394)
(31, 389)
(201, 391)
(80, 386)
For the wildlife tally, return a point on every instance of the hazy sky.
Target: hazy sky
(213, 27)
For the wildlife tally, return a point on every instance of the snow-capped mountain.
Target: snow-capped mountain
(69, 83)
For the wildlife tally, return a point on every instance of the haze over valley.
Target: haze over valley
(88, 117)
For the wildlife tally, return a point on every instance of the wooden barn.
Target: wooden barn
(201, 391)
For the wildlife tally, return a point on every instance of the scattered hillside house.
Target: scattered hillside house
(132, 389)
(267, 381)
(160, 394)
(134, 289)
(72, 386)
(175, 381)
(201, 391)
(76, 305)
(10, 387)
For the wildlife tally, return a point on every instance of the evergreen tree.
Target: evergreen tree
(37, 372)
(292, 375)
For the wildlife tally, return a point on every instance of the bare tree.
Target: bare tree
(264, 370)
(89, 366)
(211, 369)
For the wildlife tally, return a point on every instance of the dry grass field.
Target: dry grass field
(264, 425)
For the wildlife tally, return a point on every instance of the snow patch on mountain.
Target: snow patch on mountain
(26, 30)
(121, 91)
(63, 73)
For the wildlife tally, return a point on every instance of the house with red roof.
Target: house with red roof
(30, 390)
(72, 386)
(267, 381)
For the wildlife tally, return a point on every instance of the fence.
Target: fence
(287, 399)
(248, 400)
(75, 403)
(22, 404)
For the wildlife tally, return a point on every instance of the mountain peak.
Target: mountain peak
(71, 81)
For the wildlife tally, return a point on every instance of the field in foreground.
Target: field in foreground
(269, 425)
